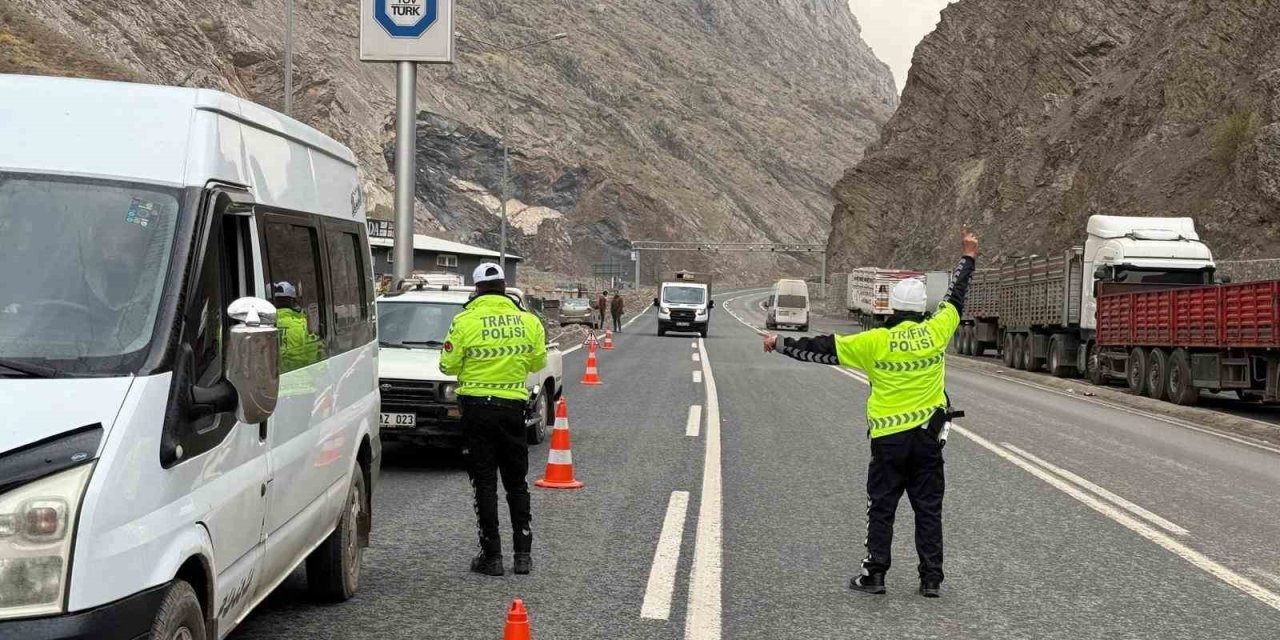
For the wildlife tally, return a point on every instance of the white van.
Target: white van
(788, 305)
(173, 445)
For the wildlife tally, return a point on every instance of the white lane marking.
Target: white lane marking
(662, 576)
(697, 358)
(694, 422)
(695, 344)
(697, 377)
(1102, 493)
(1266, 575)
(1197, 559)
(702, 621)
(1249, 442)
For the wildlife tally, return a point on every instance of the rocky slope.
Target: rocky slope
(685, 119)
(1023, 118)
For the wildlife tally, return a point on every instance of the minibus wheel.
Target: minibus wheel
(180, 616)
(333, 569)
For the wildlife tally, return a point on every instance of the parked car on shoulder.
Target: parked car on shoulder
(578, 311)
(419, 403)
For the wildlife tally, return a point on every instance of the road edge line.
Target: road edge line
(703, 618)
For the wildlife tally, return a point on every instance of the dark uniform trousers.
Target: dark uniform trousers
(909, 461)
(497, 442)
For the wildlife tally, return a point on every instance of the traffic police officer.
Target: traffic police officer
(906, 415)
(492, 346)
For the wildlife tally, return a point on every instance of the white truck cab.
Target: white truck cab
(188, 395)
(1141, 250)
(420, 404)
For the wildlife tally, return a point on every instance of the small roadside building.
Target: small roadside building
(432, 254)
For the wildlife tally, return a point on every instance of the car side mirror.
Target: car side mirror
(768, 303)
(655, 302)
(253, 359)
(1102, 273)
(711, 305)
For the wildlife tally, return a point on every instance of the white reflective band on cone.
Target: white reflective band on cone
(561, 423)
(557, 456)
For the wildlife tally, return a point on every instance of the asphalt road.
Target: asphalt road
(1064, 518)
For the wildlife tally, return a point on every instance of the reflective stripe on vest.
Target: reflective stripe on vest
(900, 422)
(913, 365)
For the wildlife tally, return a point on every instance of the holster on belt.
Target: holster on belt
(940, 423)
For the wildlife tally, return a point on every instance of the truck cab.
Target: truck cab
(419, 403)
(1146, 251)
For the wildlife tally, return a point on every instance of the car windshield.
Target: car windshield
(83, 266)
(576, 303)
(1152, 276)
(684, 295)
(415, 324)
(793, 302)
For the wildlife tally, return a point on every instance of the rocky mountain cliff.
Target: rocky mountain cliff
(677, 120)
(1023, 118)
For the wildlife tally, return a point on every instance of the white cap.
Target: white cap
(908, 295)
(487, 272)
(284, 289)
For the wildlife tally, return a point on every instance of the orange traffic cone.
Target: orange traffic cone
(608, 339)
(559, 474)
(517, 622)
(592, 376)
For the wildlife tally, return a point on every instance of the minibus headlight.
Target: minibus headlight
(449, 392)
(37, 523)
(665, 310)
(701, 312)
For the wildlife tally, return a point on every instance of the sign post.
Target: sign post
(406, 32)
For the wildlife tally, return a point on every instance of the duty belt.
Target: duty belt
(489, 401)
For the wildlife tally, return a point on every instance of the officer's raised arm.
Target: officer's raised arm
(946, 319)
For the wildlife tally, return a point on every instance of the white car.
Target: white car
(420, 404)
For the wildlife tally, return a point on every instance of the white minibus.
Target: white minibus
(188, 360)
(788, 305)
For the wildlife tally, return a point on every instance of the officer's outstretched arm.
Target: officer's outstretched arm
(830, 350)
(454, 352)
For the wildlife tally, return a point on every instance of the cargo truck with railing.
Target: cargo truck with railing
(1039, 311)
(868, 293)
(1171, 342)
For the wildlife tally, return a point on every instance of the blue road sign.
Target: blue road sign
(406, 18)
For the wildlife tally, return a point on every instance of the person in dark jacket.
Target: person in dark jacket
(602, 307)
(616, 307)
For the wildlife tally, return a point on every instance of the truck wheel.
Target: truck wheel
(1157, 374)
(1137, 371)
(1033, 363)
(1180, 389)
(1055, 358)
(970, 342)
(1007, 353)
(1020, 352)
(333, 569)
(978, 347)
(180, 616)
(1097, 373)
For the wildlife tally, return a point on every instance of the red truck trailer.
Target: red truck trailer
(1172, 342)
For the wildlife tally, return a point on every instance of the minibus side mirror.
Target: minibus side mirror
(712, 305)
(253, 358)
(655, 302)
(768, 303)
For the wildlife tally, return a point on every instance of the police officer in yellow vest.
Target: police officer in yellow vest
(298, 346)
(492, 346)
(907, 415)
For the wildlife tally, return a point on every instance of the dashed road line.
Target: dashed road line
(703, 620)
(697, 358)
(666, 558)
(697, 377)
(694, 423)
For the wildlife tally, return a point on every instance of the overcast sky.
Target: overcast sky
(893, 28)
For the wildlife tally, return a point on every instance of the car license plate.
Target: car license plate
(682, 324)
(399, 420)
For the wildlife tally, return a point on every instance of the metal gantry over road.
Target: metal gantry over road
(730, 247)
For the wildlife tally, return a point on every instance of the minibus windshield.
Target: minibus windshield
(415, 325)
(684, 295)
(81, 272)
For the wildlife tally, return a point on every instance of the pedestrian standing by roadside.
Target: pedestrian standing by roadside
(492, 346)
(602, 307)
(616, 307)
(906, 415)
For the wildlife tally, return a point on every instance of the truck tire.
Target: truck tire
(180, 616)
(1180, 390)
(970, 341)
(962, 341)
(333, 569)
(1033, 363)
(1007, 353)
(1136, 373)
(1157, 374)
(1057, 357)
(1096, 370)
(979, 347)
(1020, 352)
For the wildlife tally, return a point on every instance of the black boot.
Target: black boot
(930, 588)
(523, 564)
(486, 564)
(873, 583)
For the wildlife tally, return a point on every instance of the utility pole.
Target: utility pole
(406, 166)
(288, 59)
